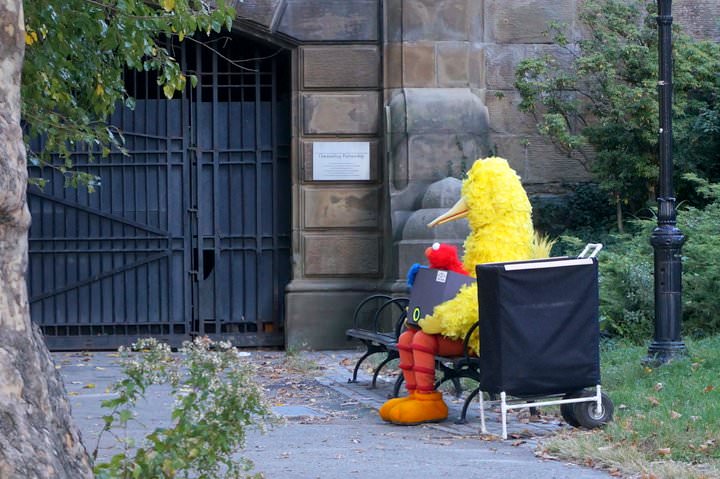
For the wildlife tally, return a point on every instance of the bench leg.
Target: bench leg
(449, 374)
(398, 383)
(390, 357)
(463, 414)
(357, 366)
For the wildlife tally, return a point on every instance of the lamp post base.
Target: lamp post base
(662, 352)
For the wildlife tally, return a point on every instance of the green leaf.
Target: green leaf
(169, 90)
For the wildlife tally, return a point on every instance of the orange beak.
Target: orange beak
(459, 210)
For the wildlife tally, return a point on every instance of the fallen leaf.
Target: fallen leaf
(89, 386)
(695, 366)
(659, 386)
(708, 389)
(664, 451)
(517, 443)
(675, 415)
(653, 400)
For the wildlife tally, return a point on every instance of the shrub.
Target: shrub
(584, 209)
(626, 271)
(216, 401)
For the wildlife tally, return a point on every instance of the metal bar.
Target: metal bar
(258, 186)
(97, 250)
(483, 429)
(193, 183)
(274, 209)
(102, 214)
(217, 307)
(98, 277)
(186, 214)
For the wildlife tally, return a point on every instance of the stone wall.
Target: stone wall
(700, 18)
(429, 84)
(514, 31)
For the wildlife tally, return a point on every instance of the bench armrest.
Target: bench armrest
(466, 342)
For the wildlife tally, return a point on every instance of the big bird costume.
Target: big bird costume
(499, 215)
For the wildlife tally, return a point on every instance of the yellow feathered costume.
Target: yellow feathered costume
(499, 214)
(498, 211)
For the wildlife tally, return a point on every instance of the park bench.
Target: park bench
(378, 322)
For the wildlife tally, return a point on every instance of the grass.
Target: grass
(667, 419)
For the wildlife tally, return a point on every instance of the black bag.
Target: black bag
(539, 330)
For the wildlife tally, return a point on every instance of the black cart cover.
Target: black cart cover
(539, 332)
(430, 288)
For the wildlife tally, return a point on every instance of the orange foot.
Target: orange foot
(422, 408)
(391, 403)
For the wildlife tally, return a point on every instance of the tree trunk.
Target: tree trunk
(37, 436)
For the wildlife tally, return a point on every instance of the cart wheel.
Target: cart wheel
(569, 415)
(567, 410)
(588, 414)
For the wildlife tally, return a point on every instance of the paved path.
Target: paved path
(331, 428)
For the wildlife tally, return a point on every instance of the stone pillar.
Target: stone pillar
(416, 236)
(436, 118)
(338, 224)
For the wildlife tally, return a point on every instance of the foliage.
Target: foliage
(76, 53)
(596, 99)
(626, 271)
(216, 401)
(666, 419)
(584, 211)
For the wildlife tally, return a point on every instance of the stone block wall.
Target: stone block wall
(700, 18)
(514, 31)
(429, 84)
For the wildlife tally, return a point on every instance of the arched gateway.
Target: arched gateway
(189, 231)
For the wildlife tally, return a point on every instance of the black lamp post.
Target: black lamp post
(666, 238)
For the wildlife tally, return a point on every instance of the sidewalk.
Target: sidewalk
(332, 429)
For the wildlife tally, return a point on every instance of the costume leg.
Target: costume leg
(406, 365)
(427, 404)
(450, 347)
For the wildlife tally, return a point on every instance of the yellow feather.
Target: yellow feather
(500, 230)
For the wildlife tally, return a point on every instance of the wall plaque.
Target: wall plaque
(341, 160)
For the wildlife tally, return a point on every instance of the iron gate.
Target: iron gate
(189, 232)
